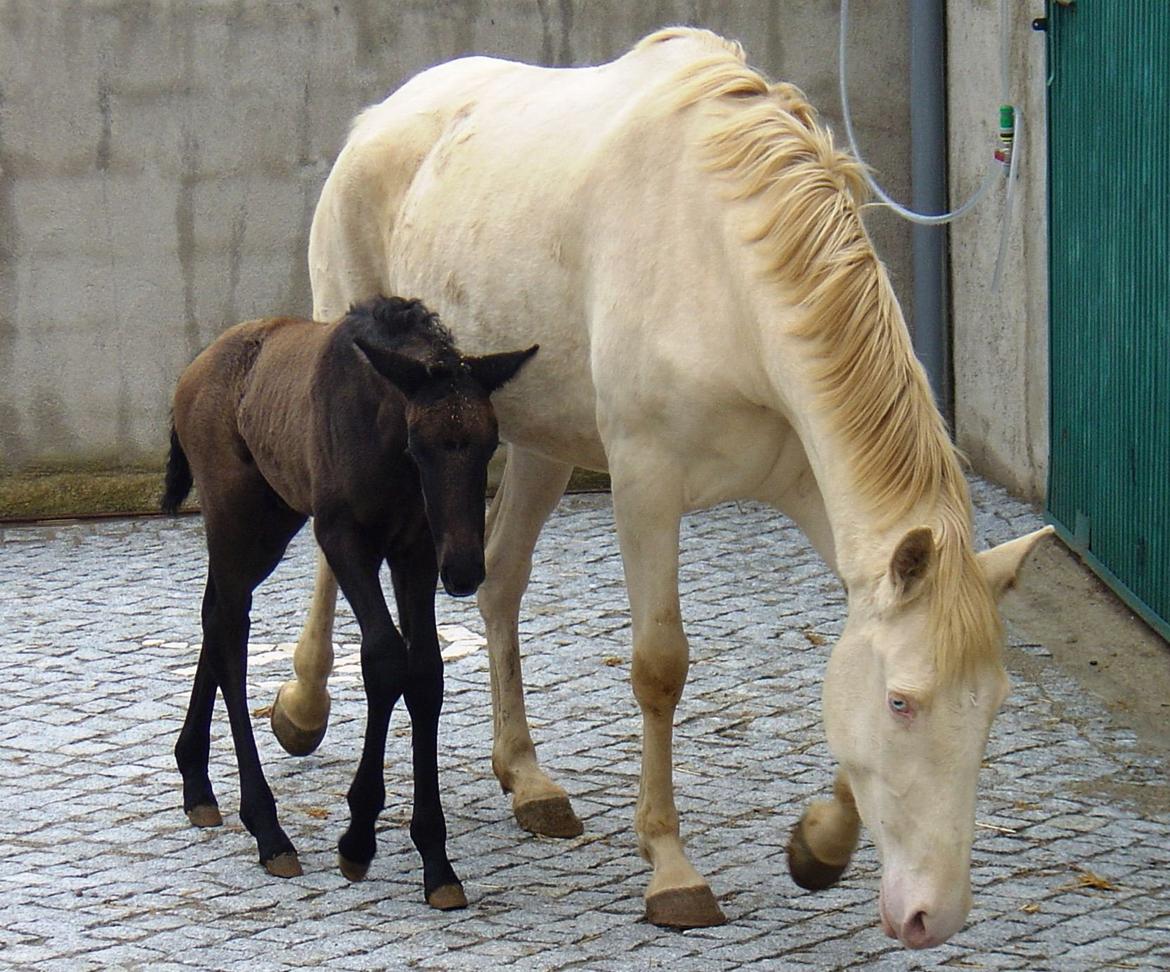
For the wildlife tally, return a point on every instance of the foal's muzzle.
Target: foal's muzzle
(462, 580)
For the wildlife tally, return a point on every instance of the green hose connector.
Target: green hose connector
(1007, 134)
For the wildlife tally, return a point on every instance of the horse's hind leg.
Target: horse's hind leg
(194, 744)
(246, 538)
(824, 839)
(300, 712)
(530, 489)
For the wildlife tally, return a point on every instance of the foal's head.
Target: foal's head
(451, 435)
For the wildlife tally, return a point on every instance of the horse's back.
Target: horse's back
(537, 205)
(245, 396)
(478, 152)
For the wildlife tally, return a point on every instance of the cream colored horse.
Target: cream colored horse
(684, 243)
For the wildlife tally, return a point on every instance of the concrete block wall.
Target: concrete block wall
(160, 161)
(1000, 337)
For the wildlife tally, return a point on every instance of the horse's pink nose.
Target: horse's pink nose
(926, 923)
(915, 933)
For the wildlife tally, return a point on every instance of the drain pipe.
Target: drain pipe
(928, 178)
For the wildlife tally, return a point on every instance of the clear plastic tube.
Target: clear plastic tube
(1005, 222)
(994, 169)
(1009, 197)
(1005, 47)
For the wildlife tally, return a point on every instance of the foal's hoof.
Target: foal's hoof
(549, 817)
(808, 870)
(205, 815)
(295, 740)
(353, 870)
(684, 908)
(286, 865)
(447, 897)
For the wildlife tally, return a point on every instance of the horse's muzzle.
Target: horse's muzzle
(462, 580)
(924, 924)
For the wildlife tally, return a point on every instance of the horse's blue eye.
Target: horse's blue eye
(899, 705)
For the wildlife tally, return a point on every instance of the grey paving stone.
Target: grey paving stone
(99, 869)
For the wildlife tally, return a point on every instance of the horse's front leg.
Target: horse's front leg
(300, 712)
(648, 518)
(356, 560)
(414, 591)
(530, 489)
(823, 840)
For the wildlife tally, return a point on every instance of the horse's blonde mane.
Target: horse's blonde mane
(765, 143)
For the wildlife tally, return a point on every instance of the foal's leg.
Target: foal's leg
(530, 489)
(648, 514)
(414, 591)
(192, 750)
(243, 548)
(300, 712)
(824, 839)
(356, 560)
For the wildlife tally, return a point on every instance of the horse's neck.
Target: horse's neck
(824, 497)
(859, 538)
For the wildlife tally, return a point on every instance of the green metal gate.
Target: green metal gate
(1109, 279)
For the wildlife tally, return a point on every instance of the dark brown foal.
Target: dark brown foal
(378, 428)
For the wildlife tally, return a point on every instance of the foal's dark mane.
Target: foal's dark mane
(402, 325)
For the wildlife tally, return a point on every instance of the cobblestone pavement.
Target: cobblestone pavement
(99, 868)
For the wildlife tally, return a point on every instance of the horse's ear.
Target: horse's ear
(494, 370)
(406, 373)
(912, 564)
(1001, 565)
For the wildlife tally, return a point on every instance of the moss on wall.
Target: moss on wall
(49, 494)
(56, 493)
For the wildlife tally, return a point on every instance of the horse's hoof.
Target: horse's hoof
(286, 865)
(549, 817)
(447, 897)
(684, 908)
(808, 870)
(295, 740)
(205, 815)
(353, 870)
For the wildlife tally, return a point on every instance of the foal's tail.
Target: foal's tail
(178, 479)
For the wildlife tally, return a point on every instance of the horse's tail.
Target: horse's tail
(178, 478)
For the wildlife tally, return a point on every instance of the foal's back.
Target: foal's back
(243, 405)
(298, 407)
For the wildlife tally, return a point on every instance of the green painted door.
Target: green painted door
(1109, 279)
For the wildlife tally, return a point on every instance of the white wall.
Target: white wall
(1000, 339)
(159, 164)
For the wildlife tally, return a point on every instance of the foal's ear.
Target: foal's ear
(1001, 565)
(912, 564)
(494, 370)
(407, 373)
